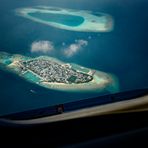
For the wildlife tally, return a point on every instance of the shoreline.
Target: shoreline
(101, 81)
(92, 22)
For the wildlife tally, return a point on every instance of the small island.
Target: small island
(54, 74)
(68, 19)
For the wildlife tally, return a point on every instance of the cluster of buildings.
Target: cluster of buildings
(50, 71)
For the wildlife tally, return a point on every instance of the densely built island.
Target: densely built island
(54, 74)
(68, 19)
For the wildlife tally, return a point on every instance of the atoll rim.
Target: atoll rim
(68, 19)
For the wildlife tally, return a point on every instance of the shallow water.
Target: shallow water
(68, 20)
(121, 52)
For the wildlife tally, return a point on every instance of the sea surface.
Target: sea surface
(122, 52)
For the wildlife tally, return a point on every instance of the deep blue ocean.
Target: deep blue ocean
(122, 52)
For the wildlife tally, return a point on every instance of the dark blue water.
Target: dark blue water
(123, 51)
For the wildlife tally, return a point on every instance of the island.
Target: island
(68, 19)
(54, 74)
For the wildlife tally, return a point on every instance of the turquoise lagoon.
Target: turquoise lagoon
(68, 19)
